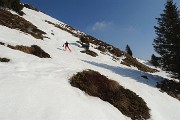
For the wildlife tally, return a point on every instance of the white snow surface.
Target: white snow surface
(33, 88)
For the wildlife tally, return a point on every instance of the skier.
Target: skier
(66, 44)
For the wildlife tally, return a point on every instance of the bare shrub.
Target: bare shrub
(34, 49)
(4, 60)
(23, 48)
(126, 101)
(130, 61)
(1, 43)
(102, 48)
(16, 22)
(89, 52)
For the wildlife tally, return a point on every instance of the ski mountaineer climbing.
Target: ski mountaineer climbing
(66, 44)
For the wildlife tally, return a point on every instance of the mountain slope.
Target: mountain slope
(33, 88)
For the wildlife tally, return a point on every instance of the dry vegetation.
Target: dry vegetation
(4, 60)
(65, 27)
(171, 87)
(126, 101)
(130, 61)
(34, 50)
(16, 22)
(89, 52)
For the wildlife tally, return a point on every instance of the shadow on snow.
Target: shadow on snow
(130, 73)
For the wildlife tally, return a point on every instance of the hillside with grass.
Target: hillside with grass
(40, 80)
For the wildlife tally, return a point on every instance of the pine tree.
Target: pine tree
(16, 6)
(12, 4)
(167, 42)
(155, 60)
(128, 50)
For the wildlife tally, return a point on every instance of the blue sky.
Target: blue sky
(117, 22)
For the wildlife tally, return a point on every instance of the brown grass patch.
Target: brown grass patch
(89, 52)
(16, 22)
(130, 61)
(126, 101)
(34, 50)
(4, 60)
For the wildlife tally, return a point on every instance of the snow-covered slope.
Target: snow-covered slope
(33, 88)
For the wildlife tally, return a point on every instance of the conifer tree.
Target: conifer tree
(128, 50)
(16, 6)
(155, 60)
(167, 42)
(12, 4)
